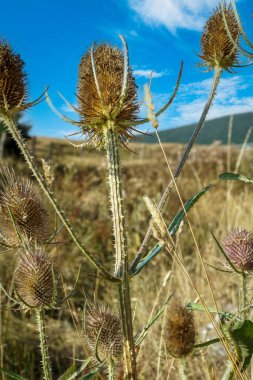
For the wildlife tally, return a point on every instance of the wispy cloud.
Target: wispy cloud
(179, 14)
(143, 73)
(232, 97)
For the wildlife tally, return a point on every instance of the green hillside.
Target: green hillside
(213, 130)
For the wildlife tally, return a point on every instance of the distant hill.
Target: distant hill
(213, 130)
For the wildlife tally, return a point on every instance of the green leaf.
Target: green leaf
(142, 334)
(11, 374)
(172, 229)
(72, 372)
(91, 374)
(68, 373)
(235, 177)
(175, 224)
(199, 307)
(241, 335)
(207, 343)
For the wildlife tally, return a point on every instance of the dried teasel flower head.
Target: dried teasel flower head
(102, 329)
(36, 280)
(217, 49)
(101, 103)
(22, 213)
(238, 246)
(13, 80)
(180, 331)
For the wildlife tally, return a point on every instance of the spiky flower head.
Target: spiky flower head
(22, 213)
(180, 331)
(99, 102)
(102, 329)
(217, 49)
(238, 246)
(13, 80)
(36, 280)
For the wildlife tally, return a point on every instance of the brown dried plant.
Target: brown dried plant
(98, 107)
(102, 329)
(36, 279)
(180, 331)
(23, 215)
(13, 80)
(217, 49)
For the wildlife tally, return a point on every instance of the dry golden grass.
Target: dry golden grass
(80, 186)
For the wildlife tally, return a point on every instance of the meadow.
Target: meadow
(80, 184)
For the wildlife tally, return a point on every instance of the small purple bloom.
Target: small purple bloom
(238, 246)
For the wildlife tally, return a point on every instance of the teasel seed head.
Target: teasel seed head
(98, 109)
(36, 280)
(180, 331)
(217, 49)
(238, 246)
(102, 329)
(13, 80)
(22, 213)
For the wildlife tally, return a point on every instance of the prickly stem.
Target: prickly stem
(13, 130)
(46, 365)
(121, 254)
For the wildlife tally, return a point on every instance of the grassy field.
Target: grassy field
(81, 188)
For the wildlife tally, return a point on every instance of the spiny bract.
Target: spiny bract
(22, 213)
(13, 80)
(103, 327)
(36, 280)
(97, 112)
(238, 246)
(180, 331)
(218, 50)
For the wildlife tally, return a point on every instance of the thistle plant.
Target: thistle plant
(180, 335)
(37, 288)
(23, 214)
(102, 329)
(108, 110)
(217, 55)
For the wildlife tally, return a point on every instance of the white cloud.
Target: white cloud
(233, 96)
(174, 14)
(146, 73)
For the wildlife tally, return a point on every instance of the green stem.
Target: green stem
(229, 372)
(40, 316)
(182, 369)
(121, 254)
(12, 128)
(165, 196)
(244, 295)
(111, 370)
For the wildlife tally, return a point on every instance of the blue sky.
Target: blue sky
(52, 35)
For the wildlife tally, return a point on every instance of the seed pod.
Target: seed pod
(102, 328)
(36, 280)
(97, 109)
(21, 210)
(180, 331)
(13, 82)
(238, 246)
(217, 49)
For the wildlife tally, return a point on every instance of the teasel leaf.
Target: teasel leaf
(224, 254)
(172, 229)
(94, 372)
(143, 333)
(12, 375)
(199, 307)
(207, 343)
(72, 372)
(241, 337)
(235, 177)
